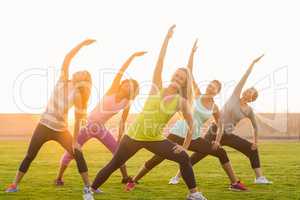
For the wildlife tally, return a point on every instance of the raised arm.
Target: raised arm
(64, 76)
(157, 79)
(240, 85)
(116, 82)
(190, 67)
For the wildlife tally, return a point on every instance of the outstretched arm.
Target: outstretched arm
(122, 123)
(116, 82)
(64, 76)
(190, 67)
(240, 85)
(157, 80)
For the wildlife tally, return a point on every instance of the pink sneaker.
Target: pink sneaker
(59, 182)
(12, 188)
(129, 186)
(239, 186)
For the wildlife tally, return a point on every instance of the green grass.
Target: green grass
(280, 161)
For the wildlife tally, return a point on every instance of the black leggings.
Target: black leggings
(240, 144)
(128, 147)
(200, 146)
(43, 134)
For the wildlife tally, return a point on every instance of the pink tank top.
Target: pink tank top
(107, 108)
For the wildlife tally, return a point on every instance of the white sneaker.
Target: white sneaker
(174, 180)
(196, 196)
(87, 194)
(262, 181)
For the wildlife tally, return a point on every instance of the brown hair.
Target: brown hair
(134, 86)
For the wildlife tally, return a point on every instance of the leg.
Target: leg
(40, 136)
(125, 151)
(155, 160)
(148, 166)
(244, 146)
(106, 138)
(65, 139)
(67, 157)
(165, 149)
(204, 147)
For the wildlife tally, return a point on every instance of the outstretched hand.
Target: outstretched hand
(195, 47)
(139, 53)
(171, 31)
(257, 59)
(88, 42)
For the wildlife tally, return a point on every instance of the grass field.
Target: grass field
(280, 160)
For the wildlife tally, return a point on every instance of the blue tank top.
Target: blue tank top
(200, 115)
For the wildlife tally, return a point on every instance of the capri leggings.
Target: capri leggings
(200, 146)
(93, 130)
(128, 147)
(43, 134)
(240, 144)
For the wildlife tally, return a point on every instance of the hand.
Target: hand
(139, 53)
(178, 149)
(254, 146)
(171, 31)
(257, 59)
(88, 42)
(215, 145)
(194, 49)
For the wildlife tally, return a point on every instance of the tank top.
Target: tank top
(107, 108)
(55, 116)
(156, 113)
(200, 115)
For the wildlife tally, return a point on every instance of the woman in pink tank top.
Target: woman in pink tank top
(116, 99)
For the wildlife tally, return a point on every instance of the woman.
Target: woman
(53, 124)
(146, 131)
(116, 99)
(236, 109)
(204, 108)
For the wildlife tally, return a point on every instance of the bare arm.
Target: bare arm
(240, 85)
(186, 112)
(254, 125)
(80, 115)
(190, 67)
(122, 123)
(157, 79)
(216, 115)
(64, 76)
(118, 77)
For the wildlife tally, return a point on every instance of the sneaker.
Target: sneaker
(262, 181)
(239, 186)
(59, 182)
(174, 180)
(12, 188)
(196, 196)
(87, 194)
(98, 191)
(126, 180)
(130, 186)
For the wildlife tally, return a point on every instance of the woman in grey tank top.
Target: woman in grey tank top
(53, 124)
(234, 110)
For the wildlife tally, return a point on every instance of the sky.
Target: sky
(36, 35)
